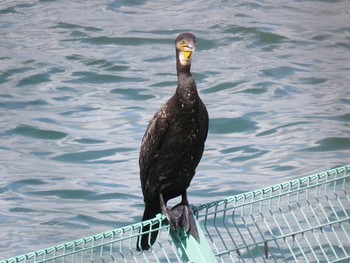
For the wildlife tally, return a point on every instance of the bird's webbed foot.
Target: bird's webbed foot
(180, 216)
(173, 216)
(186, 219)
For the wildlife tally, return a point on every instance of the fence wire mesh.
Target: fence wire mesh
(304, 220)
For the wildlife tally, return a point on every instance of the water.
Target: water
(80, 80)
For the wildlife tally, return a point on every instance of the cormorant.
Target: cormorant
(172, 147)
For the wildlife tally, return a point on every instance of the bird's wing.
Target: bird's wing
(206, 123)
(151, 144)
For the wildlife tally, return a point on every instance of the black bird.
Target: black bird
(172, 147)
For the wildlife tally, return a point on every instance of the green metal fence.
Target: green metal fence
(304, 220)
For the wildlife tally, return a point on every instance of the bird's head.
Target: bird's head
(185, 45)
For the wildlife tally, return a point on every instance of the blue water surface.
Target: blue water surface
(79, 81)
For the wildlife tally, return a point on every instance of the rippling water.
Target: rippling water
(80, 80)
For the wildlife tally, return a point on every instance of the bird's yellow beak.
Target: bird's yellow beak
(187, 51)
(187, 54)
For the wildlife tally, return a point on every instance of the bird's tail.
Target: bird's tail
(147, 239)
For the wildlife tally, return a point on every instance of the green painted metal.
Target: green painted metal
(192, 250)
(304, 220)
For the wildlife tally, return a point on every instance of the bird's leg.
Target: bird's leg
(184, 202)
(163, 205)
(180, 215)
(172, 216)
(185, 216)
(184, 199)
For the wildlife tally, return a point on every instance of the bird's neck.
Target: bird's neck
(186, 87)
(182, 69)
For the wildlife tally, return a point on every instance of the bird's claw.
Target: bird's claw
(181, 216)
